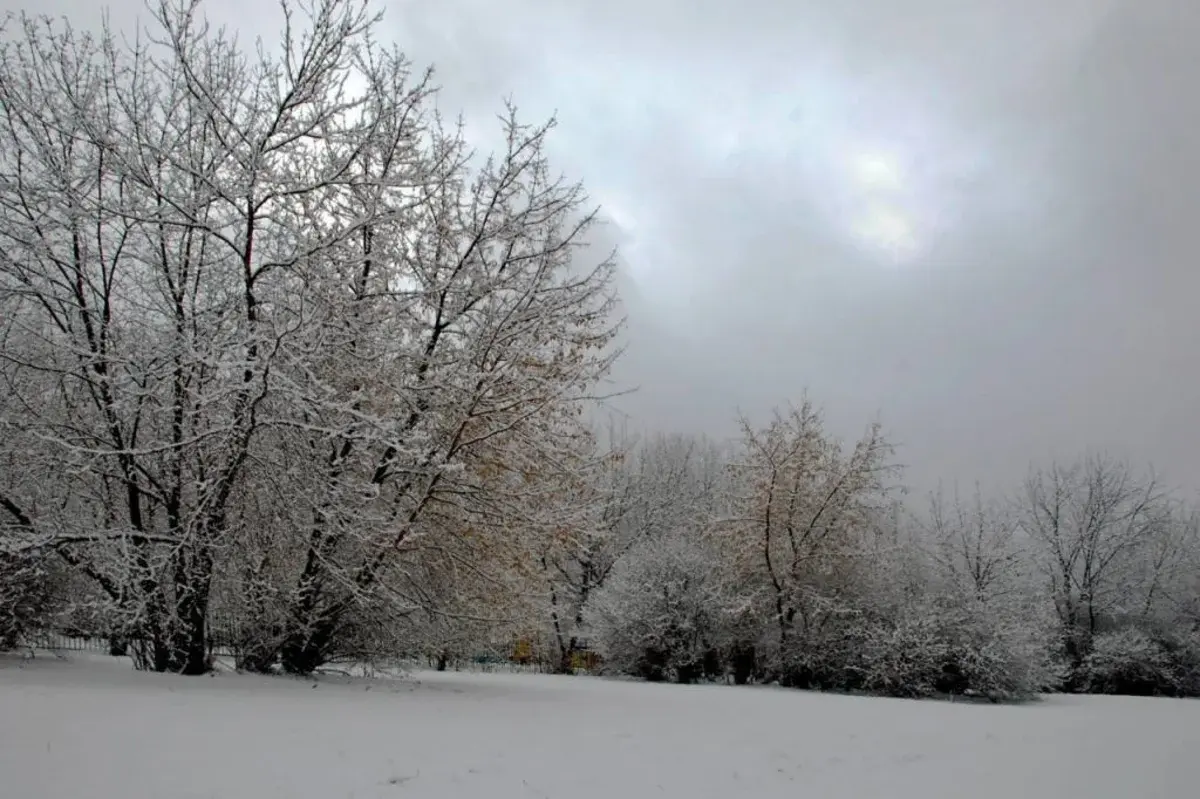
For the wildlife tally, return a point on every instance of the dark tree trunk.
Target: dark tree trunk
(188, 640)
(303, 653)
(687, 673)
(711, 665)
(313, 626)
(742, 660)
(189, 645)
(566, 663)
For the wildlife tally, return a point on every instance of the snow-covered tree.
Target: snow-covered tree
(262, 313)
(643, 490)
(805, 526)
(146, 189)
(502, 340)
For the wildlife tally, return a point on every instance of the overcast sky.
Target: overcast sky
(975, 220)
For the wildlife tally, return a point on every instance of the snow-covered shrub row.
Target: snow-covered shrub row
(665, 616)
(933, 648)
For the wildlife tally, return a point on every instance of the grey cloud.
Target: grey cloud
(1052, 306)
(1052, 315)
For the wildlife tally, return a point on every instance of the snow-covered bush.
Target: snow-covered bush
(30, 594)
(1185, 652)
(665, 613)
(997, 652)
(935, 646)
(913, 658)
(1135, 662)
(827, 652)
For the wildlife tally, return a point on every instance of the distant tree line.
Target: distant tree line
(801, 565)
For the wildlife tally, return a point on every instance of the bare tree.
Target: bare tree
(976, 545)
(1093, 521)
(1168, 572)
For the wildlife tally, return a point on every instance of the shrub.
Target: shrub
(1134, 662)
(663, 613)
(1184, 650)
(30, 594)
(936, 646)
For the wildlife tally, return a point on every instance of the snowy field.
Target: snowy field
(92, 728)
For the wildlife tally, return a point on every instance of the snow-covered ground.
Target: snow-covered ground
(93, 728)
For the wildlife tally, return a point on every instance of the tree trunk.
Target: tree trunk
(312, 623)
(190, 643)
(743, 660)
(307, 648)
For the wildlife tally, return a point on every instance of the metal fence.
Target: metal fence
(522, 657)
(67, 642)
(73, 640)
